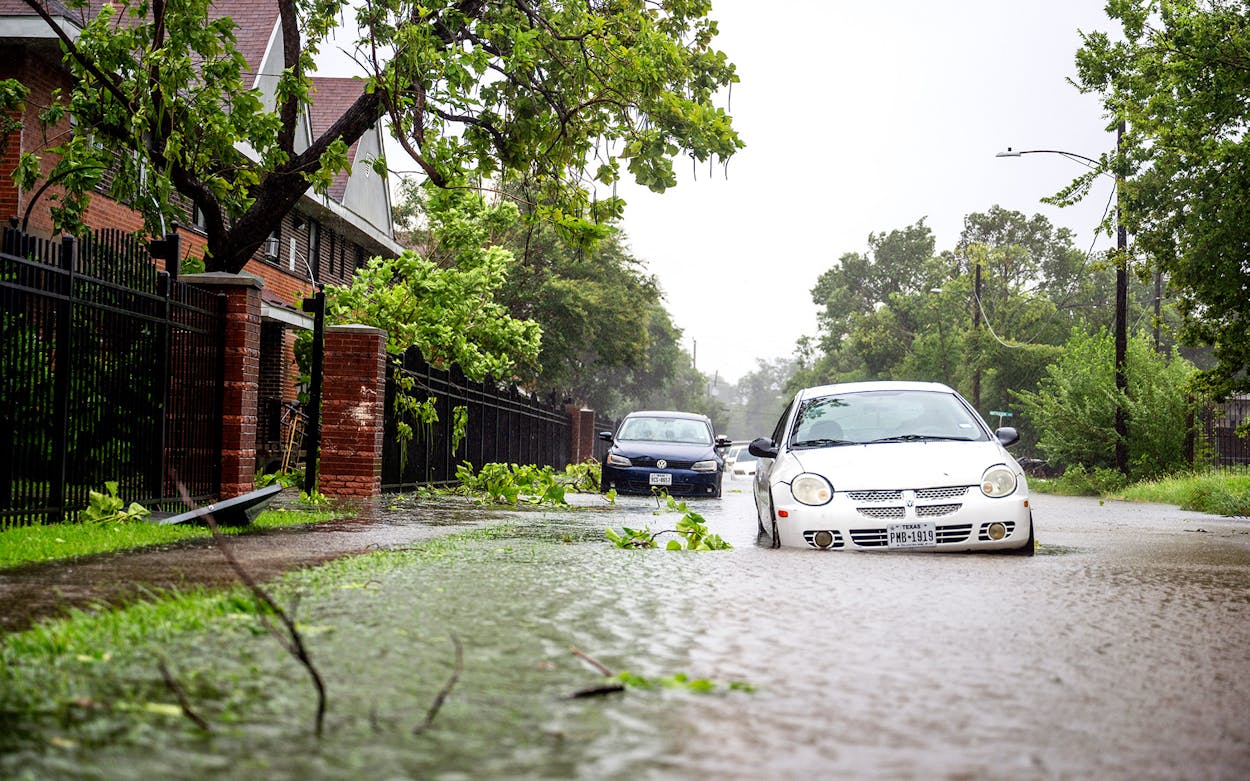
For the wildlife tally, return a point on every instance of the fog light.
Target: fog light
(823, 539)
(997, 531)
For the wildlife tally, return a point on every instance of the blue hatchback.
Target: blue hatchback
(675, 452)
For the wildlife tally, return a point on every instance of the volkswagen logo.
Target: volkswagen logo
(661, 464)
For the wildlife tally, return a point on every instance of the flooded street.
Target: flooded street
(1120, 651)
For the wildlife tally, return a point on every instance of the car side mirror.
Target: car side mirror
(763, 448)
(606, 436)
(1007, 436)
(723, 441)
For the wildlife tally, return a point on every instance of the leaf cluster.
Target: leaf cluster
(107, 507)
(448, 310)
(539, 485)
(691, 530)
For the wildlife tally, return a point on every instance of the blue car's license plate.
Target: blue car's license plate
(661, 478)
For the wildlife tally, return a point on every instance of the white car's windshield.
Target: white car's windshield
(657, 429)
(883, 416)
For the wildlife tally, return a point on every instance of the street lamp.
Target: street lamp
(1121, 293)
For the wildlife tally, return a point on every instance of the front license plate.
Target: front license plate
(911, 535)
(661, 478)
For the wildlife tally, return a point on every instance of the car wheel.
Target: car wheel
(1027, 549)
(772, 513)
(716, 493)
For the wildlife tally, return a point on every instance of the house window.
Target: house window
(198, 219)
(314, 246)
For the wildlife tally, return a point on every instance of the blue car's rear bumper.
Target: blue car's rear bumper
(637, 480)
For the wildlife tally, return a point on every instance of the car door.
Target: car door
(764, 468)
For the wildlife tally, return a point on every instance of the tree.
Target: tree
(561, 93)
(1180, 78)
(607, 339)
(762, 395)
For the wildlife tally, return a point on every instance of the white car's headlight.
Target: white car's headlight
(811, 489)
(704, 466)
(615, 460)
(998, 481)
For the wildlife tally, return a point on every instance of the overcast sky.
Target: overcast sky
(863, 117)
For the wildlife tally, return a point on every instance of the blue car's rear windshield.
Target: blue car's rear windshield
(657, 429)
(884, 416)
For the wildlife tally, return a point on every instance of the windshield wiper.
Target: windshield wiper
(917, 438)
(822, 443)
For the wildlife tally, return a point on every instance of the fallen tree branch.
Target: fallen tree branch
(445, 691)
(595, 691)
(183, 703)
(292, 641)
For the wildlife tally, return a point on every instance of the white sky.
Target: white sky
(863, 117)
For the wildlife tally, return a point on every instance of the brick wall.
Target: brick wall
(581, 433)
(353, 394)
(241, 371)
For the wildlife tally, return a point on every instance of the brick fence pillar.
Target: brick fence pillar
(352, 406)
(581, 433)
(242, 377)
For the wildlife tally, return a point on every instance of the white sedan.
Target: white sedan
(890, 466)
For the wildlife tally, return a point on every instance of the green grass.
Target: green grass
(53, 542)
(1219, 493)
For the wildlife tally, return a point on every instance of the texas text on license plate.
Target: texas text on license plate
(911, 535)
(661, 478)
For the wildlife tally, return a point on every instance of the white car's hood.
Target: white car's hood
(895, 465)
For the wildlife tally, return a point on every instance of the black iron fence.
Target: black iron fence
(1215, 444)
(499, 424)
(109, 371)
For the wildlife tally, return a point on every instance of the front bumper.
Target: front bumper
(860, 520)
(637, 480)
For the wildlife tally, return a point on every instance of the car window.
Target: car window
(660, 429)
(873, 416)
(780, 430)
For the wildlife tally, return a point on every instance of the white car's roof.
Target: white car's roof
(880, 385)
(666, 413)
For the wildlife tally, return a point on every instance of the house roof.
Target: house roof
(254, 21)
(331, 97)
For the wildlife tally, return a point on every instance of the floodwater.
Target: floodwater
(1120, 651)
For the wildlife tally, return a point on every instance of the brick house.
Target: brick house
(324, 238)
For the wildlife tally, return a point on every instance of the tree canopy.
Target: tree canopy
(1180, 79)
(565, 95)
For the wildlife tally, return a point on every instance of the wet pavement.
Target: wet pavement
(37, 591)
(1120, 651)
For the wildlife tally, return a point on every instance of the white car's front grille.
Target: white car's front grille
(936, 510)
(941, 493)
(874, 496)
(883, 512)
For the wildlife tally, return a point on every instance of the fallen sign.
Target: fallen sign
(236, 511)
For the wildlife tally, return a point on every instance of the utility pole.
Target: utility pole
(976, 330)
(1121, 310)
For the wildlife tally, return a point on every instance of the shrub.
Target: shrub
(1075, 403)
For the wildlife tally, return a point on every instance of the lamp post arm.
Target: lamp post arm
(1017, 152)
